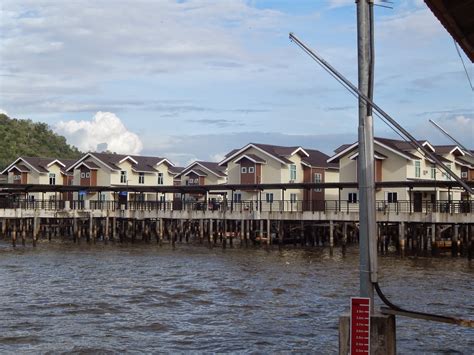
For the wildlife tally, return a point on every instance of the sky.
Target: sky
(194, 79)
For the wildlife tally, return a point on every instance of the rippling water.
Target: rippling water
(62, 297)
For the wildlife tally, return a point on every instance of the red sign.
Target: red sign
(360, 325)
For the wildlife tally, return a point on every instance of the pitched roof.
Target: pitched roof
(398, 146)
(402, 146)
(280, 153)
(203, 166)
(318, 159)
(175, 170)
(198, 172)
(139, 163)
(214, 167)
(446, 149)
(41, 165)
(253, 157)
(20, 167)
(464, 162)
(341, 148)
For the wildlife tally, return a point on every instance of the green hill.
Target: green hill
(27, 138)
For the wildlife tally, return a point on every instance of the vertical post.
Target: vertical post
(401, 238)
(114, 228)
(106, 233)
(454, 239)
(280, 234)
(201, 231)
(23, 231)
(224, 233)
(269, 232)
(14, 233)
(331, 234)
(211, 233)
(35, 229)
(160, 231)
(91, 234)
(365, 171)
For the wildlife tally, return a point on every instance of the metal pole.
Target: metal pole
(451, 137)
(365, 171)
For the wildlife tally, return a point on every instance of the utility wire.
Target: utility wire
(375, 113)
(348, 85)
(463, 64)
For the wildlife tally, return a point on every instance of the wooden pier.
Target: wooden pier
(437, 226)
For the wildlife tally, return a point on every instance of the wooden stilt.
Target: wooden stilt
(14, 233)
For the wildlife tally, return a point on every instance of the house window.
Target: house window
(237, 197)
(448, 177)
(83, 175)
(141, 178)
(244, 170)
(160, 178)
(293, 197)
(123, 177)
(352, 197)
(417, 168)
(251, 169)
(392, 197)
(433, 171)
(52, 179)
(88, 175)
(464, 174)
(318, 177)
(162, 198)
(292, 172)
(269, 197)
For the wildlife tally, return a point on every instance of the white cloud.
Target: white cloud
(105, 127)
(339, 3)
(3, 111)
(218, 157)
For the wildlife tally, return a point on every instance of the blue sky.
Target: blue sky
(194, 79)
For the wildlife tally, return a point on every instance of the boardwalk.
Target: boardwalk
(405, 224)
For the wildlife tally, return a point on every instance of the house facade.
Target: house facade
(397, 160)
(201, 173)
(265, 164)
(106, 169)
(43, 171)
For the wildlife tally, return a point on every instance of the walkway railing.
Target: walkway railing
(244, 206)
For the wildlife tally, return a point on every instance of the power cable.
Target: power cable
(464, 65)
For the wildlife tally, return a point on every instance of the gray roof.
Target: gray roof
(318, 159)
(144, 163)
(214, 167)
(175, 170)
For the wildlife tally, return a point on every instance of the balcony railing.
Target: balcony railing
(244, 206)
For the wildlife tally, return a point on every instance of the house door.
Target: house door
(123, 200)
(417, 202)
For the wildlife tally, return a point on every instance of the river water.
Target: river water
(63, 297)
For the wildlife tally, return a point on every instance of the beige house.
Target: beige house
(106, 169)
(42, 171)
(397, 160)
(201, 173)
(265, 164)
